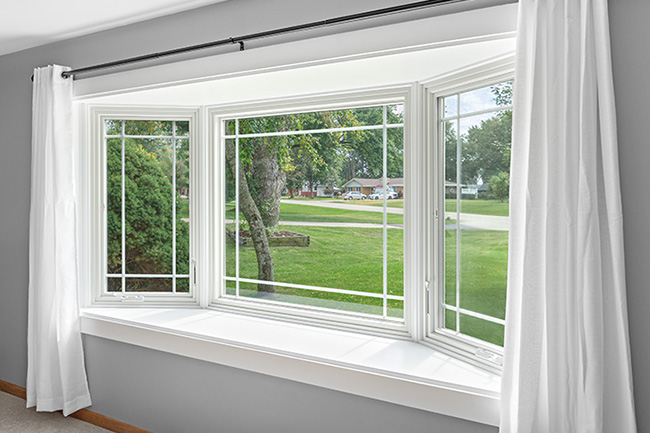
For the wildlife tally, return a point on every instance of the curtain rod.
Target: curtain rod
(240, 40)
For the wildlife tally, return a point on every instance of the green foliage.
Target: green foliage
(478, 207)
(365, 150)
(503, 93)
(148, 205)
(451, 152)
(500, 186)
(486, 148)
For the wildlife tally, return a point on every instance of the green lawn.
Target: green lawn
(374, 203)
(297, 212)
(341, 258)
(350, 258)
(483, 274)
(479, 207)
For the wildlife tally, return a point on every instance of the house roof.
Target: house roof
(394, 181)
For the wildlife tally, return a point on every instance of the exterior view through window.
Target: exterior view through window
(314, 209)
(476, 129)
(147, 206)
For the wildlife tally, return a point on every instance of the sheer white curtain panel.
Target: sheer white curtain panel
(56, 375)
(567, 357)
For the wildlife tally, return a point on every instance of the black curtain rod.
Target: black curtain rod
(240, 40)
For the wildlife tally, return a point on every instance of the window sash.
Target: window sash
(174, 139)
(237, 279)
(474, 350)
(96, 173)
(319, 316)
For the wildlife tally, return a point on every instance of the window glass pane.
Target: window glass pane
(320, 238)
(231, 217)
(114, 205)
(182, 128)
(393, 196)
(182, 285)
(149, 200)
(476, 211)
(450, 319)
(346, 118)
(451, 105)
(148, 206)
(319, 299)
(113, 127)
(148, 284)
(395, 114)
(485, 98)
(182, 206)
(148, 127)
(450, 138)
(484, 213)
(114, 284)
(482, 329)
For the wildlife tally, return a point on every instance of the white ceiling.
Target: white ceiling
(31, 23)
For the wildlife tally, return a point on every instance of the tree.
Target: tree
(500, 186)
(486, 148)
(264, 163)
(451, 152)
(149, 200)
(365, 150)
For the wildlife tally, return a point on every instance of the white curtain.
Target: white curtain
(56, 376)
(567, 356)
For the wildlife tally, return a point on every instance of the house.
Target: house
(319, 191)
(367, 186)
(163, 391)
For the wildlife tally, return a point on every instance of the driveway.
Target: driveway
(358, 207)
(468, 221)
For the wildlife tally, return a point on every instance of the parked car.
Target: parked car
(380, 195)
(354, 195)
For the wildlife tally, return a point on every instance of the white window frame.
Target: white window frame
(323, 318)
(423, 179)
(93, 129)
(479, 352)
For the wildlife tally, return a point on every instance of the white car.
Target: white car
(380, 195)
(354, 195)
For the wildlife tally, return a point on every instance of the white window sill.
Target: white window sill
(395, 371)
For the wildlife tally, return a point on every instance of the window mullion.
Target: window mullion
(459, 177)
(237, 207)
(123, 194)
(174, 207)
(385, 214)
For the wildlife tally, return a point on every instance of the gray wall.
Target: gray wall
(167, 393)
(630, 34)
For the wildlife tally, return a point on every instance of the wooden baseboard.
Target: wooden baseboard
(83, 414)
(12, 389)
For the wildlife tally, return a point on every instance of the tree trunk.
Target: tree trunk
(257, 228)
(270, 181)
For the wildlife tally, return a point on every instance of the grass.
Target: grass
(351, 259)
(479, 207)
(482, 274)
(342, 258)
(297, 212)
(373, 203)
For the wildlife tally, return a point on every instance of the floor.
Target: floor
(15, 418)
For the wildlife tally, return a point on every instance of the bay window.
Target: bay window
(241, 208)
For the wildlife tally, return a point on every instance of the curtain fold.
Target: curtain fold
(56, 375)
(567, 357)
